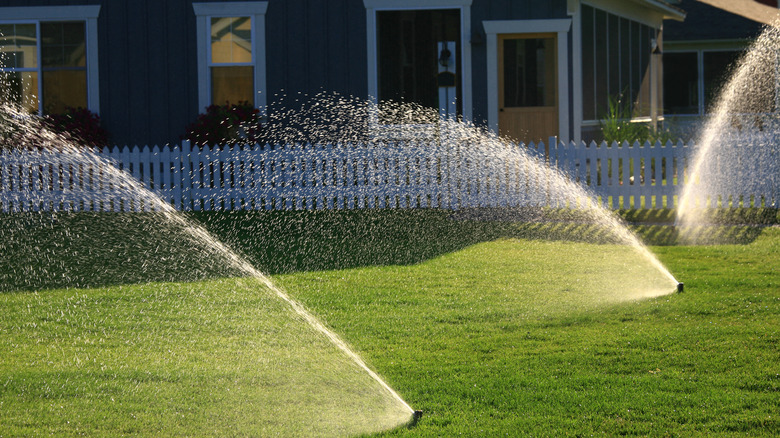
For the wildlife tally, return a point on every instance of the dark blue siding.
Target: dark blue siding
(316, 45)
(148, 84)
(148, 59)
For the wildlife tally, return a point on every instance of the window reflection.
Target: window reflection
(231, 40)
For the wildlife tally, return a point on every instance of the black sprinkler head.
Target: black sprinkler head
(680, 287)
(416, 415)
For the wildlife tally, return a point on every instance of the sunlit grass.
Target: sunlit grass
(490, 327)
(502, 339)
(214, 358)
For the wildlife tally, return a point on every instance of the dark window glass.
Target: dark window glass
(615, 62)
(529, 72)
(18, 46)
(63, 44)
(681, 86)
(408, 57)
(64, 61)
(717, 67)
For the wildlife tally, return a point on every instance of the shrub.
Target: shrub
(616, 125)
(78, 125)
(226, 124)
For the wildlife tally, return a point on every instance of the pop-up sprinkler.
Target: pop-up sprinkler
(680, 287)
(416, 415)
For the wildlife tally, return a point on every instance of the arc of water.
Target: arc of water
(120, 178)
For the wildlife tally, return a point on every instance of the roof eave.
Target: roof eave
(669, 12)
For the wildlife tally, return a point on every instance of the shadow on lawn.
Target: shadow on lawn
(42, 251)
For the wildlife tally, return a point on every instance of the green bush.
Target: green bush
(616, 124)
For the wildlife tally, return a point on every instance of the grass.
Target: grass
(216, 358)
(492, 328)
(484, 350)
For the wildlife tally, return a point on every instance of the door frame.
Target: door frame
(558, 26)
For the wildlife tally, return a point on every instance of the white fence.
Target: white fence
(373, 175)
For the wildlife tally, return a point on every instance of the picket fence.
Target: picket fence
(367, 175)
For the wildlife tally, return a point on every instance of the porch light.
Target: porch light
(445, 56)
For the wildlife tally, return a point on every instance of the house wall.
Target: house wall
(315, 45)
(707, 31)
(148, 61)
(146, 51)
(147, 56)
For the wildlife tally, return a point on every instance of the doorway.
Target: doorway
(528, 86)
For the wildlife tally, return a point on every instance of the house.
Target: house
(699, 52)
(528, 69)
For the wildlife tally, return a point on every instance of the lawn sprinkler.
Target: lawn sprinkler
(680, 287)
(416, 415)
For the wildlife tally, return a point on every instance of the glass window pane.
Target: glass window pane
(408, 60)
(529, 72)
(20, 88)
(63, 89)
(7, 46)
(18, 46)
(232, 85)
(63, 44)
(231, 40)
(717, 67)
(681, 87)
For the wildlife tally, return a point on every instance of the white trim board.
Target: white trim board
(639, 11)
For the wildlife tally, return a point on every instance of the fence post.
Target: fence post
(186, 175)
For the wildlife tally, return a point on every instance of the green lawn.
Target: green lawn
(485, 348)
(491, 328)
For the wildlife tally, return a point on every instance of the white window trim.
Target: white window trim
(89, 15)
(255, 10)
(374, 6)
(557, 26)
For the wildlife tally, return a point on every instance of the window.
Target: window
(403, 66)
(681, 84)
(616, 60)
(48, 58)
(529, 72)
(231, 64)
(231, 46)
(716, 68)
(692, 80)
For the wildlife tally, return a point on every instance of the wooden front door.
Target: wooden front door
(527, 86)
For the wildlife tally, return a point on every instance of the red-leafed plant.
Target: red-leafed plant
(78, 125)
(229, 124)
